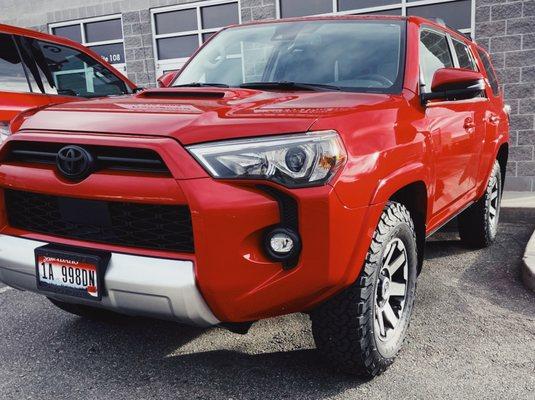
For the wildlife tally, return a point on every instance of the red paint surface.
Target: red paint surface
(391, 141)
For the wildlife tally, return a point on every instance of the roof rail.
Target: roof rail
(441, 22)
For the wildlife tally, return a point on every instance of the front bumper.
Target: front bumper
(229, 219)
(167, 292)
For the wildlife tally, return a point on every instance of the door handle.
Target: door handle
(494, 119)
(469, 124)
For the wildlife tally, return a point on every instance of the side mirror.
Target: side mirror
(455, 84)
(166, 79)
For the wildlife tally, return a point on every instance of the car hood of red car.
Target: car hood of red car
(194, 115)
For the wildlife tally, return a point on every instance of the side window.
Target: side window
(434, 55)
(464, 55)
(493, 80)
(66, 71)
(12, 76)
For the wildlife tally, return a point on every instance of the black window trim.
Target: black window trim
(24, 68)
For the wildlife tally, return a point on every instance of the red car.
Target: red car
(37, 70)
(291, 166)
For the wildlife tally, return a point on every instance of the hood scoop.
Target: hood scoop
(180, 93)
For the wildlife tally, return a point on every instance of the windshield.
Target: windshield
(351, 55)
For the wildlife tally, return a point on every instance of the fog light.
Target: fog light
(282, 244)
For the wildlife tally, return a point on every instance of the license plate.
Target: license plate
(69, 272)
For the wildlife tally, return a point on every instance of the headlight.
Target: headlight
(5, 132)
(292, 160)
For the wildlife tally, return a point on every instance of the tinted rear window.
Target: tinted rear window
(493, 80)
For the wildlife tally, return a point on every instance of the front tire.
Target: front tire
(361, 330)
(478, 225)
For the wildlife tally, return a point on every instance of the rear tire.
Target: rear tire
(83, 311)
(361, 330)
(478, 225)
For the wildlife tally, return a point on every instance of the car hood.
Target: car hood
(194, 115)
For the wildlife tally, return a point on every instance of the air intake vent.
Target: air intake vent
(158, 227)
(181, 94)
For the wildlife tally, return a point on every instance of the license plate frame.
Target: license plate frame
(57, 257)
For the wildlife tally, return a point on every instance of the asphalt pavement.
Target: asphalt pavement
(472, 337)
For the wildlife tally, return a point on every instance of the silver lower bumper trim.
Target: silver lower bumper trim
(134, 285)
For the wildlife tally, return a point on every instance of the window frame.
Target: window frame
(400, 4)
(496, 92)
(470, 53)
(451, 49)
(450, 38)
(176, 63)
(121, 67)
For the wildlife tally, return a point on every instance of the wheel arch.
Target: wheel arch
(502, 156)
(414, 197)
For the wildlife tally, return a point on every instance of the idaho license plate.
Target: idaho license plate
(69, 272)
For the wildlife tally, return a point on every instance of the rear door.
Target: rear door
(16, 91)
(456, 127)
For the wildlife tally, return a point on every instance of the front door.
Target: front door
(456, 127)
(15, 89)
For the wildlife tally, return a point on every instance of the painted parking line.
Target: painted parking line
(5, 289)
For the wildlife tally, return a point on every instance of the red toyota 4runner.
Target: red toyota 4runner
(37, 70)
(291, 166)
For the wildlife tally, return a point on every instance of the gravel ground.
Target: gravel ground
(472, 336)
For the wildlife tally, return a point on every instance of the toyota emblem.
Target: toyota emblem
(75, 163)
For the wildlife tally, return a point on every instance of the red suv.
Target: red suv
(292, 166)
(37, 70)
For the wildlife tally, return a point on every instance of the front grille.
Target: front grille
(158, 227)
(114, 158)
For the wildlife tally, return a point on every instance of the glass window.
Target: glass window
(396, 11)
(176, 21)
(457, 14)
(72, 32)
(464, 55)
(345, 5)
(355, 55)
(177, 47)
(220, 15)
(66, 71)
(102, 31)
(112, 53)
(180, 30)
(434, 54)
(104, 36)
(293, 8)
(12, 77)
(493, 80)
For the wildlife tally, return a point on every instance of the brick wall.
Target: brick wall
(507, 30)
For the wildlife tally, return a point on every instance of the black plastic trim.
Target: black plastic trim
(289, 219)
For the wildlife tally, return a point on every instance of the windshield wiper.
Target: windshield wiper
(200, 84)
(289, 86)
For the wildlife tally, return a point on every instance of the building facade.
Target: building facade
(145, 38)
